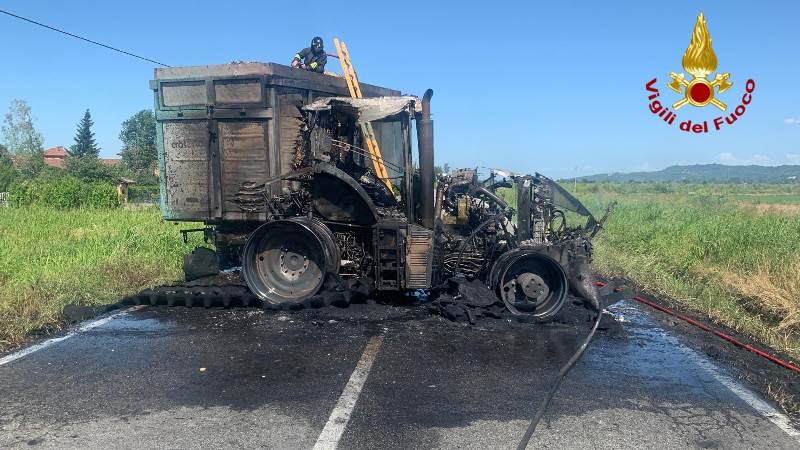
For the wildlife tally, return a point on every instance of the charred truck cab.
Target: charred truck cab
(277, 164)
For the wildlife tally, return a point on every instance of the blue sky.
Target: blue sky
(554, 87)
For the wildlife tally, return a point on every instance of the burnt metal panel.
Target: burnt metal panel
(239, 91)
(215, 185)
(524, 230)
(196, 107)
(290, 122)
(237, 113)
(274, 74)
(273, 139)
(243, 149)
(339, 198)
(184, 93)
(186, 168)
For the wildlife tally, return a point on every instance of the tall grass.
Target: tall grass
(51, 258)
(737, 265)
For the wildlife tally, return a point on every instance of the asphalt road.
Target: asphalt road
(159, 377)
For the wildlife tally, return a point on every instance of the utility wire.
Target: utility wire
(82, 38)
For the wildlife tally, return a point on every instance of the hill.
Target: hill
(707, 172)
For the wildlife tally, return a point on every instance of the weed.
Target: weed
(50, 258)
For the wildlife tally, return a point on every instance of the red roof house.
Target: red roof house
(54, 157)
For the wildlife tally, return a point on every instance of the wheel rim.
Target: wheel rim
(533, 283)
(284, 261)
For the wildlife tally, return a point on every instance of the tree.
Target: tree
(83, 160)
(5, 156)
(87, 168)
(138, 136)
(85, 145)
(7, 172)
(21, 138)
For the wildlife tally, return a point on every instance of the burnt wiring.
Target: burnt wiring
(344, 147)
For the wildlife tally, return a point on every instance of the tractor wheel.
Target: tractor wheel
(530, 282)
(286, 261)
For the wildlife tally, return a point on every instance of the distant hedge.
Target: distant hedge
(143, 193)
(63, 192)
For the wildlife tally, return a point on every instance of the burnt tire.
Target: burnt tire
(530, 283)
(287, 261)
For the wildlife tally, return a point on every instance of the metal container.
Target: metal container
(224, 129)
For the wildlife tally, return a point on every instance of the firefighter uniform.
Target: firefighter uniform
(314, 62)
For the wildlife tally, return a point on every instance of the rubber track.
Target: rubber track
(216, 295)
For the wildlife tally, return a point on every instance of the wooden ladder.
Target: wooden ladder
(350, 76)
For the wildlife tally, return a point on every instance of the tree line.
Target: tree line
(22, 149)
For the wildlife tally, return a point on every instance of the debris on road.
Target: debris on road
(462, 300)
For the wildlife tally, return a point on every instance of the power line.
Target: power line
(82, 38)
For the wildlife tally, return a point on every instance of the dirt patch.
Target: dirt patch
(773, 208)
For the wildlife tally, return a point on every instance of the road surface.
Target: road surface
(371, 376)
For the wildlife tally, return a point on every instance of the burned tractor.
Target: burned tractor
(297, 183)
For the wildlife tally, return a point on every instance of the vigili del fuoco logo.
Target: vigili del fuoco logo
(699, 61)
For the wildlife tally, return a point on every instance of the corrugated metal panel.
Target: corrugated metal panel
(419, 255)
(186, 166)
(243, 146)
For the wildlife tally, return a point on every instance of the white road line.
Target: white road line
(329, 438)
(80, 329)
(765, 409)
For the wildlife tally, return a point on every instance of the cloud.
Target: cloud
(761, 160)
(793, 158)
(792, 121)
(733, 160)
(727, 158)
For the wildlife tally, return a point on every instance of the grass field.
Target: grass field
(720, 250)
(52, 258)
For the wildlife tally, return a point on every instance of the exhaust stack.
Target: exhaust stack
(425, 145)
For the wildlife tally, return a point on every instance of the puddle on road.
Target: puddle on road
(648, 353)
(130, 322)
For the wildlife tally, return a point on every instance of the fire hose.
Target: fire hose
(562, 373)
(719, 334)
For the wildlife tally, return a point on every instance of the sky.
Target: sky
(552, 87)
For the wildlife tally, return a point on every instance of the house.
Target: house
(55, 157)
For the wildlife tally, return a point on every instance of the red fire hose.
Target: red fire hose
(717, 333)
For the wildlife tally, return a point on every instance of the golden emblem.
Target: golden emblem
(699, 60)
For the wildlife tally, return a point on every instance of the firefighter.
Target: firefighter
(312, 58)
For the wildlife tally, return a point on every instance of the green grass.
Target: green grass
(738, 265)
(774, 199)
(51, 258)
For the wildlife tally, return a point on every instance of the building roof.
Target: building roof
(56, 157)
(56, 152)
